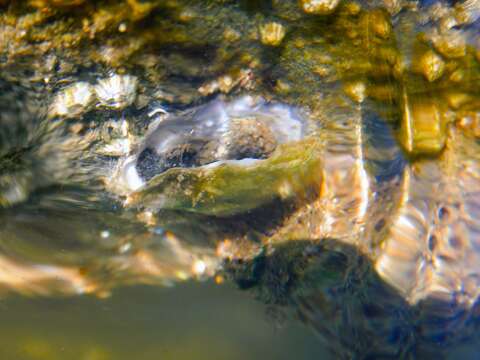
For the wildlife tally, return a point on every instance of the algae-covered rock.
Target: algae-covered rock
(230, 187)
(129, 88)
(223, 158)
(272, 33)
(431, 65)
(423, 125)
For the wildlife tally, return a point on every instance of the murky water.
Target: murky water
(239, 180)
(190, 321)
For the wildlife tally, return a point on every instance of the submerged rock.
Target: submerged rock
(319, 7)
(272, 33)
(385, 249)
(424, 125)
(223, 158)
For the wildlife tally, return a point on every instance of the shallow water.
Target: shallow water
(239, 180)
(190, 321)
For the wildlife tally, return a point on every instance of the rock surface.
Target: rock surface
(368, 226)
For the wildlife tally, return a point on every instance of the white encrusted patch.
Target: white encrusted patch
(116, 91)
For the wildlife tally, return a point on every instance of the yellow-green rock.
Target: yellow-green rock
(272, 33)
(423, 125)
(235, 187)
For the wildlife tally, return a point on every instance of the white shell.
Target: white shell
(117, 91)
(72, 100)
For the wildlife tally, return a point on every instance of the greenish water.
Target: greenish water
(189, 321)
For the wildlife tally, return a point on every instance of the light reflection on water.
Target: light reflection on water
(190, 321)
(376, 249)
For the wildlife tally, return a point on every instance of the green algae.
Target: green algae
(230, 188)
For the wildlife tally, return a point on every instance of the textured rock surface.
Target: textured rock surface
(379, 253)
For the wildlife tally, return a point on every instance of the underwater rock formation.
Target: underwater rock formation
(322, 152)
(223, 158)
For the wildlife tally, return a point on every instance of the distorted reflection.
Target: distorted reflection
(324, 156)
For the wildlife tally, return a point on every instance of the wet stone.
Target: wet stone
(214, 158)
(247, 139)
(250, 138)
(245, 129)
(272, 34)
(319, 7)
(432, 66)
